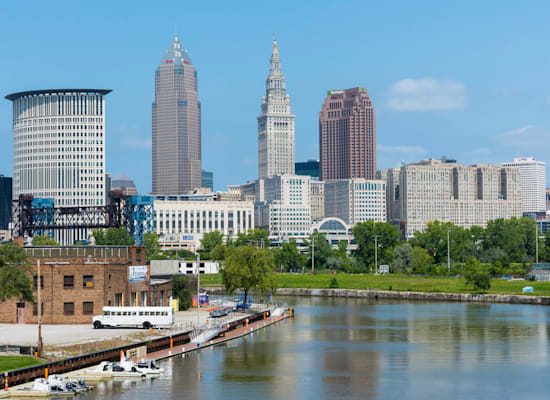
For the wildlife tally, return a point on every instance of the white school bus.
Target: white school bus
(139, 317)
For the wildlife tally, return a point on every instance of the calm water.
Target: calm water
(354, 348)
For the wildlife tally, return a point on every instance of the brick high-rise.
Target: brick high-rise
(347, 135)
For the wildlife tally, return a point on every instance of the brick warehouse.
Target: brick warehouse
(77, 282)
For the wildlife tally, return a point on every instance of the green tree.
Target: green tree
(112, 237)
(254, 237)
(322, 250)
(247, 268)
(421, 261)
(402, 258)
(476, 274)
(14, 273)
(152, 246)
(434, 240)
(288, 257)
(44, 240)
(209, 241)
(182, 291)
(364, 234)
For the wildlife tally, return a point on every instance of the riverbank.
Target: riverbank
(395, 282)
(15, 362)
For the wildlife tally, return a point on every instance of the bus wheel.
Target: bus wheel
(97, 325)
(146, 325)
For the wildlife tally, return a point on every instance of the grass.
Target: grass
(398, 282)
(7, 363)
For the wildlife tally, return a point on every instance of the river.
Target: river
(358, 348)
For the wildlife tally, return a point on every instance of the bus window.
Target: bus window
(141, 313)
(106, 313)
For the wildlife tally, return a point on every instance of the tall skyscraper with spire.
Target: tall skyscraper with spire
(176, 124)
(275, 124)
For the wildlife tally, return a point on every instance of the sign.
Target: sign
(384, 269)
(527, 289)
(187, 237)
(137, 273)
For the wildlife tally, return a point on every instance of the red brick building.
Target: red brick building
(76, 282)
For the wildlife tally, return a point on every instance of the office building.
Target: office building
(347, 135)
(547, 199)
(450, 192)
(391, 178)
(5, 202)
(108, 181)
(176, 141)
(286, 209)
(317, 199)
(275, 124)
(310, 168)
(181, 221)
(207, 180)
(124, 184)
(533, 183)
(356, 200)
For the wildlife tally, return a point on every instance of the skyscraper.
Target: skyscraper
(5, 201)
(347, 135)
(176, 124)
(533, 183)
(275, 125)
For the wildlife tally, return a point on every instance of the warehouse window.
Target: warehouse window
(88, 308)
(88, 281)
(68, 281)
(68, 308)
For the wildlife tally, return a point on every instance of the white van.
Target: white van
(140, 317)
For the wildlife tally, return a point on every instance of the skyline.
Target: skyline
(480, 94)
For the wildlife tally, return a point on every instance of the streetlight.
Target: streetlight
(376, 254)
(448, 253)
(38, 282)
(198, 290)
(312, 254)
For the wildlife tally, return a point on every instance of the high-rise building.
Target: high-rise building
(356, 200)
(207, 180)
(450, 192)
(547, 199)
(347, 135)
(275, 125)
(125, 184)
(317, 199)
(108, 180)
(533, 183)
(176, 124)
(310, 168)
(5, 201)
(59, 145)
(286, 209)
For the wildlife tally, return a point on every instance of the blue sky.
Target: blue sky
(469, 80)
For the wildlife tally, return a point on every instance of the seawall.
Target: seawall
(413, 296)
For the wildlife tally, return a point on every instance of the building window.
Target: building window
(88, 308)
(68, 281)
(35, 309)
(35, 278)
(88, 281)
(68, 308)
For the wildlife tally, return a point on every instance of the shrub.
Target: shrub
(333, 284)
(477, 275)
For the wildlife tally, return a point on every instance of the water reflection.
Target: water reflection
(356, 348)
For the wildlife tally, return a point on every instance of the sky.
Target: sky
(469, 80)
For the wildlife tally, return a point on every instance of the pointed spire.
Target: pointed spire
(176, 54)
(275, 58)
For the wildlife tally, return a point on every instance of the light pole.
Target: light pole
(536, 242)
(39, 307)
(376, 254)
(312, 254)
(198, 290)
(448, 253)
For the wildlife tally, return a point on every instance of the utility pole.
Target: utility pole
(312, 254)
(448, 253)
(39, 307)
(376, 254)
(198, 290)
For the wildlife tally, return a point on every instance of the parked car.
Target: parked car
(221, 312)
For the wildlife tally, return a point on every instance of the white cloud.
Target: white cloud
(519, 131)
(427, 94)
(401, 149)
(136, 142)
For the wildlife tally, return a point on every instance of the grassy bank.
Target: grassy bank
(7, 363)
(394, 282)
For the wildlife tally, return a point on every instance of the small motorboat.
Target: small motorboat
(77, 386)
(145, 366)
(114, 370)
(43, 388)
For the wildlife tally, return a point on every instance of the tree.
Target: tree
(475, 274)
(209, 241)
(152, 246)
(434, 240)
(247, 268)
(14, 273)
(44, 240)
(420, 259)
(182, 291)
(255, 237)
(402, 258)
(113, 237)
(322, 250)
(288, 256)
(364, 234)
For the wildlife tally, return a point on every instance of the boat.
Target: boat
(114, 370)
(77, 386)
(145, 366)
(42, 388)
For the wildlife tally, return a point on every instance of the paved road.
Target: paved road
(25, 334)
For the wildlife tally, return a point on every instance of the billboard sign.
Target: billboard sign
(137, 273)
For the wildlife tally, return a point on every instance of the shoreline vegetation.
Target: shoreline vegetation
(394, 282)
(8, 363)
